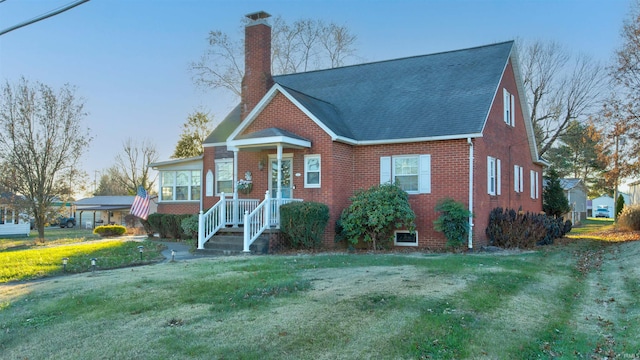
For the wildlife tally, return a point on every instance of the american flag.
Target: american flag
(140, 207)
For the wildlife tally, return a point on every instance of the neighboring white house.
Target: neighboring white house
(576, 193)
(606, 202)
(634, 193)
(12, 221)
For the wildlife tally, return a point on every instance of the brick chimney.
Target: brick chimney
(257, 61)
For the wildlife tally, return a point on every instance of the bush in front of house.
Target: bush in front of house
(511, 229)
(110, 230)
(374, 214)
(629, 218)
(155, 224)
(453, 221)
(189, 226)
(172, 225)
(303, 224)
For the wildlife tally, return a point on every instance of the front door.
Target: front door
(286, 178)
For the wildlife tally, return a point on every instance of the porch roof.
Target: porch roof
(269, 138)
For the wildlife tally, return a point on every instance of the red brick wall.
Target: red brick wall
(208, 164)
(510, 145)
(257, 74)
(179, 208)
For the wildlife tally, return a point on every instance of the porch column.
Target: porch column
(279, 181)
(235, 211)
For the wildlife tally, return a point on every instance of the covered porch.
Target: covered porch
(255, 215)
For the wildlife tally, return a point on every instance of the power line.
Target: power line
(43, 16)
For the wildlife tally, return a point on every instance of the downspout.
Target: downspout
(470, 240)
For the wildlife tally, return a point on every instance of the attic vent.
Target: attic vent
(258, 15)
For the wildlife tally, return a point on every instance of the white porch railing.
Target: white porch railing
(264, 216)
(224, 212)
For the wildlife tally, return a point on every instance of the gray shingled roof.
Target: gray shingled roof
(438, 95)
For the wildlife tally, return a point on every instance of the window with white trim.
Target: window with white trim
(518, 179)
(535, 185)
(224, 176)
(493, 176)
(181, 185)
(509, 108)
(312, 171)
(411, 172)
(405, 238)
(209, 182)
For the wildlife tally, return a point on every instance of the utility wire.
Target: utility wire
(42, 17)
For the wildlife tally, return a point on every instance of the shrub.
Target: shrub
(171, 225)
(630, 218)
(109, 230)
(303, 223)
(155, 222)
(511, 229)
(619, 206)
(453, 221)
(375, 213)
(189, 226)
(131, 220)
(147, 227)
(554, 202)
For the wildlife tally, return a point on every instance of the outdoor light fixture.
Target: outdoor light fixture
(93, 264)
(64, 264)
(140, 249)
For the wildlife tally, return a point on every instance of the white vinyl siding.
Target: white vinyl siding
(509, 108)
(224, 176)
(411, 172)
(312, 171)
(534, 184)
(518, 181)
(493, 176)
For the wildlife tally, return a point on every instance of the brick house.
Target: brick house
(450, 124)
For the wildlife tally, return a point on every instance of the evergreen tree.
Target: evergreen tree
(619, 206)
(554, 202)
(194, 132)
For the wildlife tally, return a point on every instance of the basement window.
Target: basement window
(405, 238)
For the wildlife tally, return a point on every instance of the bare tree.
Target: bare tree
(560, 88)
(132, 165)
(41, 138)
(110, 183)
(304, 45)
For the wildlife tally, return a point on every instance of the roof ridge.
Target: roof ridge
(391, 60)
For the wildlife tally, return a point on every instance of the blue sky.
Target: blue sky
(129, 58)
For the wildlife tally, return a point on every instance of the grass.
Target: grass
(577, 300)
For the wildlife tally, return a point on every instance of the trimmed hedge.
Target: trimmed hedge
(109, 230)
(510, 229)
(167, 225)
(303, 224)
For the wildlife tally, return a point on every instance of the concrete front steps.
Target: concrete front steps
(230, 241)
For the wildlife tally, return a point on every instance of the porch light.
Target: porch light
(64, 264)
(140, 250)
(261, 165)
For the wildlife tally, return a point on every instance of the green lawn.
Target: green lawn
(577, 300)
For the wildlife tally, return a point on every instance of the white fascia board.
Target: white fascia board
(214, 144)
(177, 162)
(268, 141)
(407, 140)
(275, 89)
(255, 112)
(533, 146)
(306, 112)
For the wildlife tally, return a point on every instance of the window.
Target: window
(411, 172)
(183, 185)
(405, 238)
(312, 171)
(534, 185)
(493, 176)
(509, 108)
(209, 183)
(518, 181)
(224, 176)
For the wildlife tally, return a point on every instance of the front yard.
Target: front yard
(576, 300)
